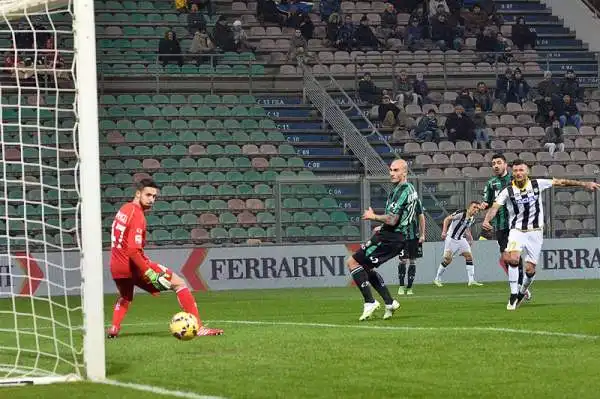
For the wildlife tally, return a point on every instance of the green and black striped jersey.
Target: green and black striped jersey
(492, 188)
(404, 202)
(412, 231)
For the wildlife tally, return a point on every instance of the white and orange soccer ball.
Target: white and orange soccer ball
(184, 326)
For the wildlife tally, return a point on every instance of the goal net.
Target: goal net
(51, 313)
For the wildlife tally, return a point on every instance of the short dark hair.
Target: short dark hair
(145, 182)
(499, 156)
(519, 161)
(474, 202)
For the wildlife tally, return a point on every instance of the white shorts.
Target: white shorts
(456, 246)
(528, 243)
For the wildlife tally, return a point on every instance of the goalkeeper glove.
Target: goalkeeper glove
(160, 281)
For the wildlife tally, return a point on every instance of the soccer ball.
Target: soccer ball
(184, 326)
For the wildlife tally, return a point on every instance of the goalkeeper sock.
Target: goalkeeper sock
(121, 308)
(188, 303)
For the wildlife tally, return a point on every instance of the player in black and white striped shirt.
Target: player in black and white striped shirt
(523, 200)
(455, 242)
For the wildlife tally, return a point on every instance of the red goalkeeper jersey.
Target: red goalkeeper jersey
(128, 238)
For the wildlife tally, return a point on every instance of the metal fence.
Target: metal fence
(569, 212)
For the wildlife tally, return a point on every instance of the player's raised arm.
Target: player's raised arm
(390, 219)
(588, 185)
(445, 224)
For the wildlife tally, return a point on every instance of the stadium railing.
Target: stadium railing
(356, 193)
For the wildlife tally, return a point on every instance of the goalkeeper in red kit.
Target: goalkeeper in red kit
(130, 267)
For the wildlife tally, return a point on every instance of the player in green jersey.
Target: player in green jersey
(502, 178)
(415, 236)
(387, 242)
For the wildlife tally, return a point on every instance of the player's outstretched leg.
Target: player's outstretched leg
(377, 282)
(412, 272)
(361, 279)
(125, 287)
(527, 291)
(441, 269)
(188, 304)
(401, 275)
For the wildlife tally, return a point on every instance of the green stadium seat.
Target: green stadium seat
(277, 162)
(188, 163)
(247, 99)
(217, 204)
(252, 176)
(160, 150)
(107, 99)
(218, 233)
(163, 206)
(160, 99)
(339, 217)
(180, 235)
(265, 218)
(196, 177)
(154, 220)
(199, 205)
(269, 176)
(320, 217)
(232, 124)
(240, 136)
(214, 149)
(222, 112)
(286, 149)
(313, 231)
(212, 99)
(238, 233)
(207, 190)
(189, 219)
(328, 203)
(169, 163)
(159, 235)
(180, 206)
(171, 220)
(301, 217)
(216, 176)
(317, 189)
(178, 149)
(225, 190)
(223, 163)
(161, 177)
(189, 191)
(223, 136)
(258, 136)
(234, 176)
(196, 99)
(291, 203)
(257, 111)
(295, 162)
(263, 189)
(257, 232)
(294, 232)
(242, 162)
(244, 190)
(206, 163)
(227, 218)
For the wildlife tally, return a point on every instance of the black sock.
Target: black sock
(520, 272)
(401, 272)
(377, 282)
(361, 278)
(412, 271)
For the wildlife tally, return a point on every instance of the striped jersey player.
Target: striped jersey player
(523, 201)
(456, 233)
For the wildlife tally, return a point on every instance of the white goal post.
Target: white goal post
(51, 277)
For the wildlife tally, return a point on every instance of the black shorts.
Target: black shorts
(412, 250)
(378, 250)
(502, 238)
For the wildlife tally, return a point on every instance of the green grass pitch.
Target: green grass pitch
(450, 342)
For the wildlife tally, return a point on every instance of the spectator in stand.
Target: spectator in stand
(487, 45)
(568, 113)
(367, 91)
(504, 84)
(205, 6)
(554, 138)
(420, 88)
(481, 136)
(503, 49)
(436, 7)
(489, 7)
(181, 5)
(201, 43)
(52, 60)
(333, 26)
(298, 47)
(546, 111)
(195, 20)
(404, 87)
(240, 38)
(459, 126)
(307, 28)
(444, 35)
(570, 86)
(547, 87)
(476, 20)
(169, 50)
(465, 99)
(427, 128)
(397, 33)
(483, 98)
(422, 20)
(522, 35)
(267, 11)
(388, 21)
(328, 7)
(365, 37)
(223, 35)
(387, 112)
(519, 92)
(346, 39)
(414, 35)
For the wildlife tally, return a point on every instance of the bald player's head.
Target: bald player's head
(398, 171)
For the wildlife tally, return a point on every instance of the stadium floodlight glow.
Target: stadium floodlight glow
(51, 291)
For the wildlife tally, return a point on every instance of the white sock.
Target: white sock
(526, 283)
(441, 270)
(513, 279)
(471, 273)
